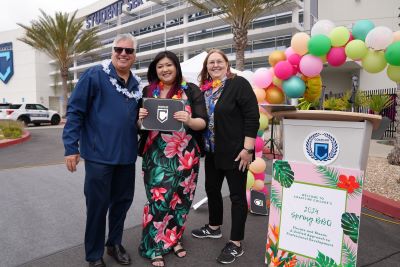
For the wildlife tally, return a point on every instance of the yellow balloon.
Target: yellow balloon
(250, 180)
(393, 72)
(258, 185)
(263, 122)
(275, 57)
(374, 61)
(257, 166)
(274, 95)
(299, 43)
(276, 81)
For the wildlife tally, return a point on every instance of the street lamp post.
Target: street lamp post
(352, 100)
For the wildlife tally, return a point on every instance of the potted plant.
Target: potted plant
(377, 103)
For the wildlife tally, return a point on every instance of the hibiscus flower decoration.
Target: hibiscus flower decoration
(175, 200)
(188, 160)
(189, 184)
(170, 238)
(158, 193)
(146, 216)
(349, 183)
(176, 143)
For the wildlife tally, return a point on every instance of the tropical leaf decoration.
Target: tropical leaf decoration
(283, 173)
(324, 261)
(330, 175)
(276, 198)
(305, 264)
(349, 255)
(350, 225)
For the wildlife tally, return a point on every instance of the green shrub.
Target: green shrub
(10, 129)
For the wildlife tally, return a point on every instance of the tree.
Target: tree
(239, 14)
(61, 38)
(394, 155)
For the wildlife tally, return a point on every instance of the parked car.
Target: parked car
(31, 113)
(3, 107)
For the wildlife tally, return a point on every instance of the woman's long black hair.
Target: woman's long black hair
(153, 78)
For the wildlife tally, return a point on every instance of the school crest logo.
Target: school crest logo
(321, 148)
(162, 113)
(6, 62)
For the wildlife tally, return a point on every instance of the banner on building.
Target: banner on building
(6, 62)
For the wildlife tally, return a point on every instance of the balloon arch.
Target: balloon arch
(295, 72)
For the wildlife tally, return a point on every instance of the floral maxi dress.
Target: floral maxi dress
(170, 166)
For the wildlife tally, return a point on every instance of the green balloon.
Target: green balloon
(393, 72)
(361, 28)
(250, 180)
(374, 61)
(392, 54)
(339, 36)
(319, 45)
(356, 49)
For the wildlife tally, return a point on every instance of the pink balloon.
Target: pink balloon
(310, 65)
(283, 70)
(336, 56)
(294, 59)
(259, 176)
(262, 78)
(259, 154)
(259, 144)
(289, 51)
(248, 197)
(296, 69)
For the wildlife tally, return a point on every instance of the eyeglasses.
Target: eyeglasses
(218, 62)
(119, 50)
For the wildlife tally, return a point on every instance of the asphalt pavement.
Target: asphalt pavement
(42, 213)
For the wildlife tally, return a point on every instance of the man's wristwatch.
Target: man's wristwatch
(250, 151)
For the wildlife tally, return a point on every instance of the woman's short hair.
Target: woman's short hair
(124, 36)
(152, 73)
(204, 76)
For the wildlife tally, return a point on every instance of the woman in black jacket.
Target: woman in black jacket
(233, 121)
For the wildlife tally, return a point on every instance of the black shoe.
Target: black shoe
(119, 253)
(229, 253)
(206, 231)
(98, 263)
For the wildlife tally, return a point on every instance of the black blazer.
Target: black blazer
(236, 115)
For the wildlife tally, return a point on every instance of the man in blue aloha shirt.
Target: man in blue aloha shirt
(101, 128)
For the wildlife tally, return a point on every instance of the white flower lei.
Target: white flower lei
(136, 94)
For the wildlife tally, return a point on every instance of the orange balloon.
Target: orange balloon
(258, 165)
(274, 95)
(260, 94)
(275, 57)
(258, 185)
(396, 36)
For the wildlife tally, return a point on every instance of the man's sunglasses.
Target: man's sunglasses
(119, 50)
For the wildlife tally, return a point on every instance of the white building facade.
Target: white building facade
(187, 31)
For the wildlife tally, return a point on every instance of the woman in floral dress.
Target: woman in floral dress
(170, 161)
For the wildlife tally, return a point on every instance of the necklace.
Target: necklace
(137, 95)
(178, 95)
(212, 84)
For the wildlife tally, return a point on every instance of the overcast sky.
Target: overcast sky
(15, 11)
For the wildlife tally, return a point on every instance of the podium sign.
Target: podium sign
(314, 215)
(161, 113)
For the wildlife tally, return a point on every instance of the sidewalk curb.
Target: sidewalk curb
(8, 142)
(381, 204)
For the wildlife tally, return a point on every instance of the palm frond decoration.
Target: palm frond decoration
(324, 261)
(276, 198)
(283, 173)
(350, 225)
(349, 255)
(358, 192)
(330, 175)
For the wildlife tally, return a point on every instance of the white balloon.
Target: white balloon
(248, 75)
(379, 38)
(323, 26)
